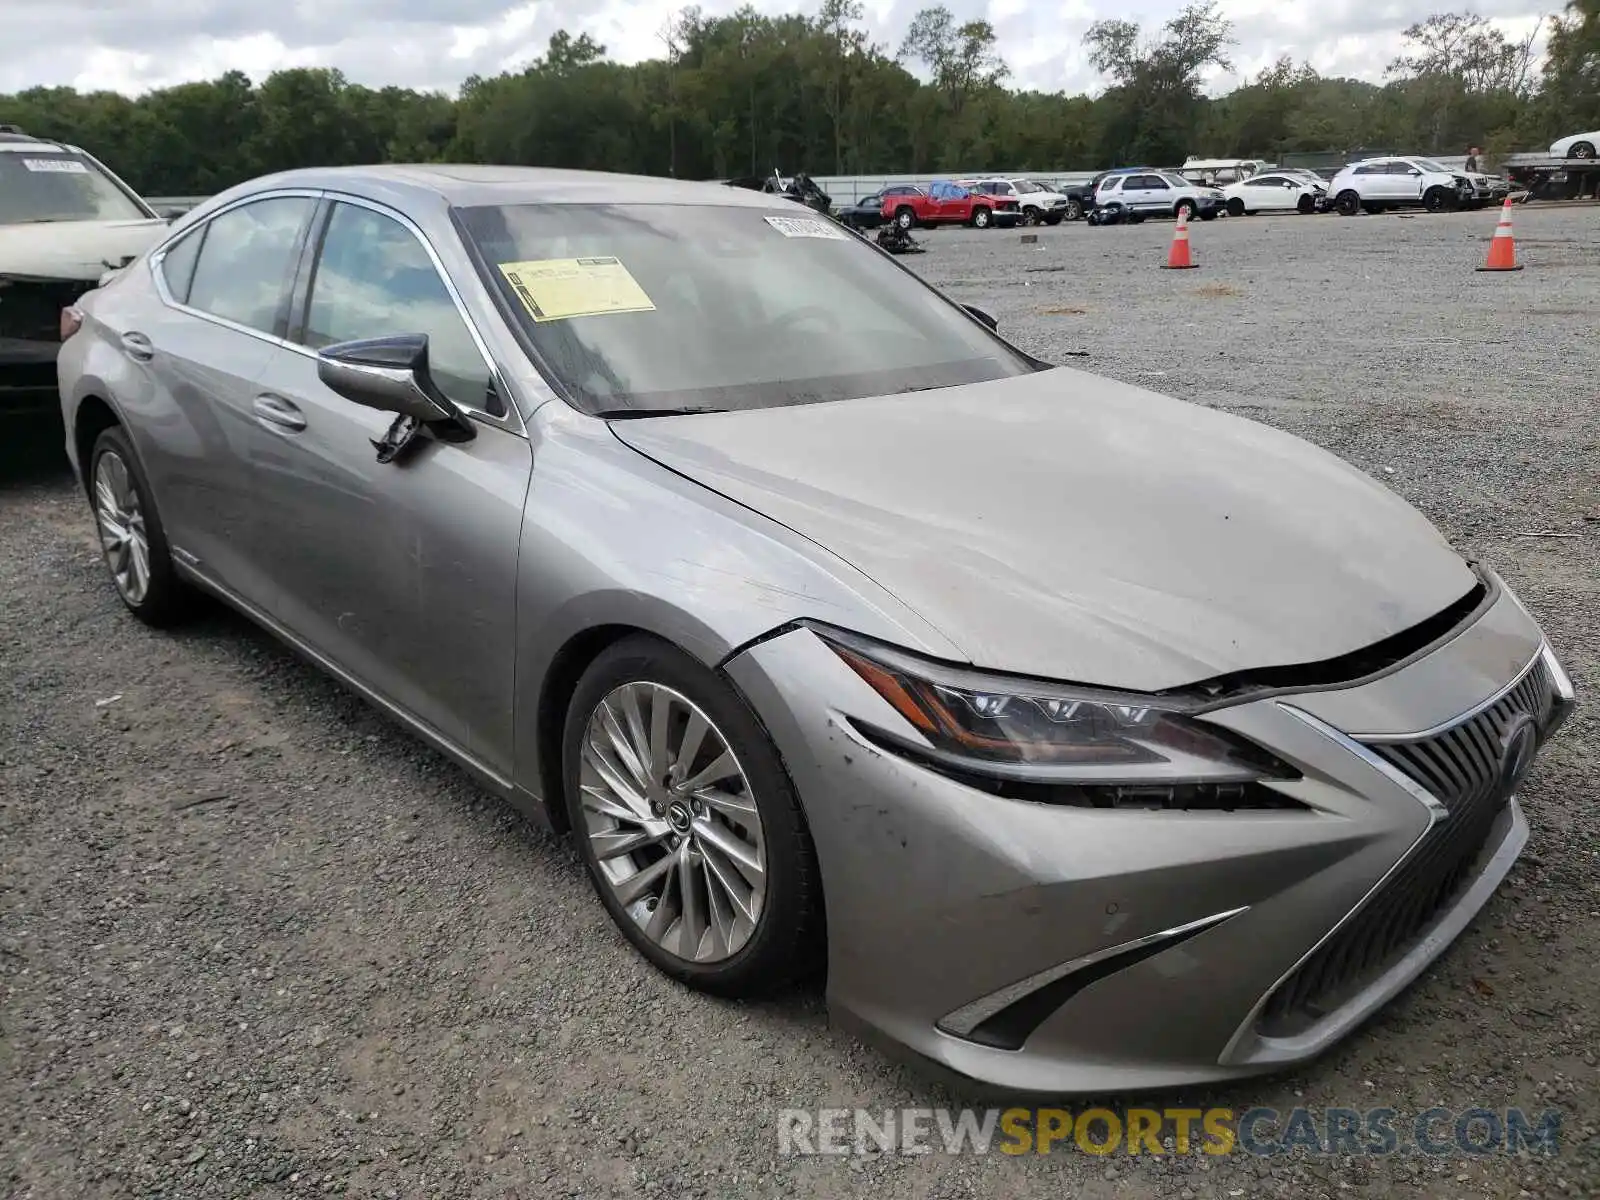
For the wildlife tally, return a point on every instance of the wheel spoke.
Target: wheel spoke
(666, 913)
(634, 719)
(740, 808)
(603, 803)
(637, 885)
(744, 857)
(692, 924)
(729, 884)
(617, 842)
(725, 766)
(723, 923)
(660, 716)
(622, 748)
(694, 736)
(611, 775)
(138, 567)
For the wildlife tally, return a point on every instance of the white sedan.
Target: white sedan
(1273, 192)
(1577, 145)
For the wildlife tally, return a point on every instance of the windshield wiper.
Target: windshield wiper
(623, 414)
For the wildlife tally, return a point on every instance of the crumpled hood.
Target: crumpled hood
(1068, 526)
(82, 250)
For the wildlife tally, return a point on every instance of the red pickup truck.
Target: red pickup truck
(944, 203)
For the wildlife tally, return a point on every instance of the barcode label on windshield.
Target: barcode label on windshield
(806, 227)
(63, 166)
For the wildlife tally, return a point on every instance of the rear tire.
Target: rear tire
(685, 919)
(133, 541)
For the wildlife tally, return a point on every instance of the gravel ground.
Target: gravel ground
(256, 942)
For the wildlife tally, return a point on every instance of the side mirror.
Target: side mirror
(983, 316)
(169, 215)
(389, 374)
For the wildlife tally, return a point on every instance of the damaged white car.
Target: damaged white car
(65, 222)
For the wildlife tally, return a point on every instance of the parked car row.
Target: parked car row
(1376, 184)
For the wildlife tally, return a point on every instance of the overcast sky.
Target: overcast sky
(134, 45)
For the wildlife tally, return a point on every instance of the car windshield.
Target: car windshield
(1027, 185)
(46, 185)
(1427, 164)
(1178, 181)
(642, 307)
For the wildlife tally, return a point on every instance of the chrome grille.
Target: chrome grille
(1461, 767)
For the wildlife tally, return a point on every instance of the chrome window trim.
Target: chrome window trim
(511, 423)
(158, 257)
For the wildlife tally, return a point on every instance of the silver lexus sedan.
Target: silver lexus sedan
(1088, 738)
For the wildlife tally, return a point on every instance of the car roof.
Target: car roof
(20, 142)
(469, 185)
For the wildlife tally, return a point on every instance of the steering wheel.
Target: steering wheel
(808, 312)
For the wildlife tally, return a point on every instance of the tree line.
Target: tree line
(747, 93)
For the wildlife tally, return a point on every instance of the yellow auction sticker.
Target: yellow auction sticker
(558, 289)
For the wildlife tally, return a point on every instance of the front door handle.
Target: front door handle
(276, 411)
(137, 346)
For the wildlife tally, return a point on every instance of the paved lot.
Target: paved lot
(355, 973)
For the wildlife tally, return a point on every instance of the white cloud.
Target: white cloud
(131, 47)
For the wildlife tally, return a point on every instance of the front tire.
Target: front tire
(1348, 204)
(905, 218)
(980, 218)
(1582, 150)
(1074, 209)
(133, 540)
(1305, 205)
(687, 823)
(1437, 199)
(1235, 207)
(1184, 209)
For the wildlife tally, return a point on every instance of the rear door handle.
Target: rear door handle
(137, 346)
(276, 411)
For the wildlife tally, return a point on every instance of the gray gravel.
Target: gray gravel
(255, 942)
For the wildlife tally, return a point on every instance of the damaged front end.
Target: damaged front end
(30, 336)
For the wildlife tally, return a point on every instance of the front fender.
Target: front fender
(613, 540)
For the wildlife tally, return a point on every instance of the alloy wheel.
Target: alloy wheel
(120, 518)
(671, 818)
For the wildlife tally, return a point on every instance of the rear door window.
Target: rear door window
(247, 261)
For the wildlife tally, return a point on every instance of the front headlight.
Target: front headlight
(1046, 733)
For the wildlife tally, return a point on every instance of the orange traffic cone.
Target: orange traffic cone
(1503, 247)
(1178, 258)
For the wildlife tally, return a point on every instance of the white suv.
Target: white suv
(1035, 202)
(1137, 195)
(1375, 184)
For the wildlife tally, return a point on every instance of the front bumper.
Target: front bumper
(1143, 949)
(28, 376)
